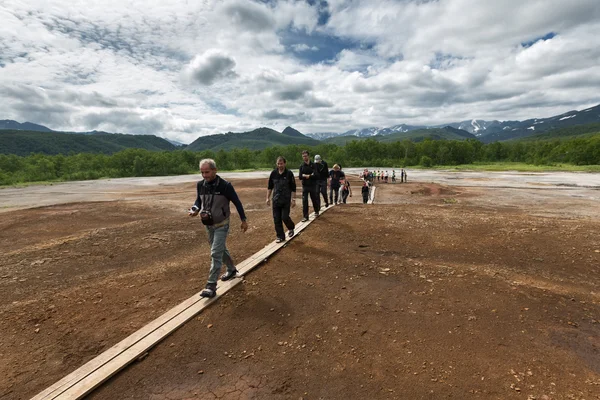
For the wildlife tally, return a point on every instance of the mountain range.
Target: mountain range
(486, 131)
(257, 139)
(25, 138)
(8, 124)
(23, 143)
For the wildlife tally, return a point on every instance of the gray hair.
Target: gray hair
(211, 163)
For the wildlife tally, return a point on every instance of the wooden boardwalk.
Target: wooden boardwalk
(92, 374)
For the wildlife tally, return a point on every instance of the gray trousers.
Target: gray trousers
(219, 254)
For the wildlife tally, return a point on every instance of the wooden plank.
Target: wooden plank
(112, 352)
(372, 196)
(86, 378)
(92, 381)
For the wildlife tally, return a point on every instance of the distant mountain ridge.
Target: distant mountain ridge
(24, 143)
(416, 135)
(257, 139)
(25, 126)
(261, 138)
(486, 131)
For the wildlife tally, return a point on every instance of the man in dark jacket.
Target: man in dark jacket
(212, 203)
(282, 185)
(322, 170)
(309, 185)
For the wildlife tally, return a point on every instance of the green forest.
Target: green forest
(582, 150)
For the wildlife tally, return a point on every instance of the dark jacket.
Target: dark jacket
(283, 185)
(215, 197)
(322, 171)
(335, 178)
(308, 169)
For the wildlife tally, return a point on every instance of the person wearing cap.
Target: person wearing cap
(322, 171)
(282, 187)
(309, 185)
(335, 175)
(213, 195)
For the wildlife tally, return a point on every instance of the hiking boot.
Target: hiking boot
(326, 205)
(228, 275)
(291, 233)
(279, 240)
(317, 214)
(210, 291)
(304, 219)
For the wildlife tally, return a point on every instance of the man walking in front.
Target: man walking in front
(282, 185)
(309, 185)
(212, 203)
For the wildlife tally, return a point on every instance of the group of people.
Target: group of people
(383, 176)
(213, 195)
(316, 177)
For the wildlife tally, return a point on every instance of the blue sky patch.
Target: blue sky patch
(547, 36)
(220, 107)
(318, 47)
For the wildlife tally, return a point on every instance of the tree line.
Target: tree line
(364, 153)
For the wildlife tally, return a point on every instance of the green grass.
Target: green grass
(509, 166)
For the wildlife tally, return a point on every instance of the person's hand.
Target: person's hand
(193, 213)
(293, 203)
(268, 201)
(244, 226)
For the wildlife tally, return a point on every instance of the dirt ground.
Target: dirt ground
(435, 291)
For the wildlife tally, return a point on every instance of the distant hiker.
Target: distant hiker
(212, 203)
(282, 187)
(365, 191)
(335, 175)
(393, 176)
(385, 177)
(346, 190)
(322, 172)
(402, 175)
(309, 185)
(342, 179)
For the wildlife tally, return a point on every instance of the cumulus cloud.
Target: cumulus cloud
(293, 90)
(275, 114)
(211, 66)
(304, 47)
(315, 102)
(252, 16)
(124, 121)
(183, 69)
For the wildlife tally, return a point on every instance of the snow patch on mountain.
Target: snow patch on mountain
(568, 117)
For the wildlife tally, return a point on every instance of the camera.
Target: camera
(206, 217)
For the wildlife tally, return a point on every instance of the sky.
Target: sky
(184, 69)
